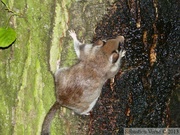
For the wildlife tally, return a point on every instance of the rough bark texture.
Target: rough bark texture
(27, 67)
(146, 91)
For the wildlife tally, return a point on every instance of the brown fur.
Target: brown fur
(79, 86)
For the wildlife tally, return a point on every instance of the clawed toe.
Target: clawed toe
(122, 53)
(72, 33)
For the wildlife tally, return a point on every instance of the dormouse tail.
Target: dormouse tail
(48, 119)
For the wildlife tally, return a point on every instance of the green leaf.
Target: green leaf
(7, 37)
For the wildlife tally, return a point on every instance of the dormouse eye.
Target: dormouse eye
(121, 46)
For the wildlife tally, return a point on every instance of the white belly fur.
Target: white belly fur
(86, 112)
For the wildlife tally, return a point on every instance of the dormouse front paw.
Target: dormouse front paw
(122, 53)
(72, 34)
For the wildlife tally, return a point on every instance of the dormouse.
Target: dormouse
(78, 87)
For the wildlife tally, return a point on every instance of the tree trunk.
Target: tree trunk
(28, 65)
(145, 93)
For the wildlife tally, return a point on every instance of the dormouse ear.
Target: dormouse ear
(98, 43)
(114, 57)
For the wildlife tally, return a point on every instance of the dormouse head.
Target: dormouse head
(111, 47)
